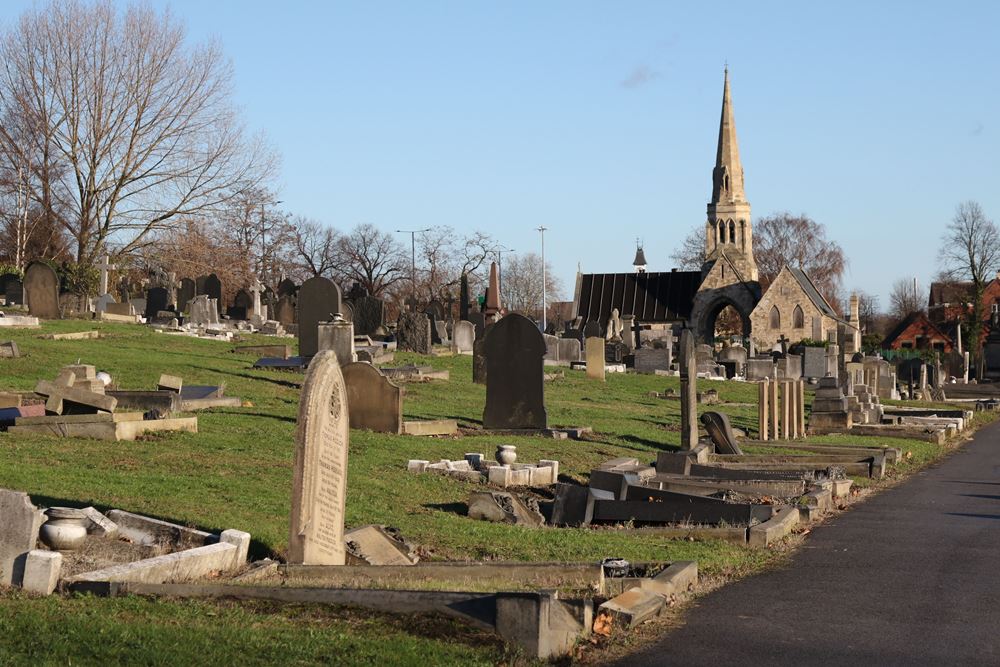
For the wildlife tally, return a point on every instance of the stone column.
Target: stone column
(762, 409)
(338, 336)
(689, 391)
(595, 358)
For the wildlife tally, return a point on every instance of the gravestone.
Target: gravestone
(242, 305)
(18, 534)
(199, 285)
(813, 362)
(41, 287)
(369, 315)
(479, 321)
(285, 311)
(185, 293)
(569, 350)
(442, 331)
(374, 402)
(595, 358)
(591, 330)
(651, 359)
(413, 333)
(689, 391)
(347, 311)
(113, 308)
(463, 335)
(213, 289)
(437, 308)
(318, 301)
(551, 347)
(435, 332)
(156, 300)
(463, 298)
(12, 288)
(103, 301)
(514, 375)
(719, 429)
(203, 311)
(320, 471)
(287, 287)
(479, 361)
(338, 336)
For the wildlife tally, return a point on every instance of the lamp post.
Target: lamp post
(542, 230)
(413, 260)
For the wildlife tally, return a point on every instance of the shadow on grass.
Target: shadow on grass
(655, 444)
(281, 383)
(461, 509)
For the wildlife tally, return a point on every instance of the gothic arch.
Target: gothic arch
(774, 318)
(732, 232)
(722, 231)
(798, 318)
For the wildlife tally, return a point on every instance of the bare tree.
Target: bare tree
(315, 247)
(970, 250)
(799, 242)
(867, 310)
(444, 255)
(141, 124)
(521, 285)
(905, 298)
(690, 256)
(372, 258)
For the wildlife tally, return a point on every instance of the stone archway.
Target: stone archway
(709, 303)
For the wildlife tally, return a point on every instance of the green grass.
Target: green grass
(237, 473)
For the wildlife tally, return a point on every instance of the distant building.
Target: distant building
(917, 332)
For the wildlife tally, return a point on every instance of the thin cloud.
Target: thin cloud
(640, 76)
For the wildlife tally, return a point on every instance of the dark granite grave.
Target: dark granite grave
(515, 397)
(318, 301)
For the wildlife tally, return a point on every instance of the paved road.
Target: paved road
(910, 577)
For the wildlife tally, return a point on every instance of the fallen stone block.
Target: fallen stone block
(504, 508)
(98, 524)
(170, 383)
(632, 607)
(676, 579)
(378, 545)
(41, 571)
(544, 626)
(9, 350)
(783, 521)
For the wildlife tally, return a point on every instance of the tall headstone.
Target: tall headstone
(479, 360)
(689, 391)
(213, 288)
(514, 375)
(369, 315)
(595, 358)
(319, 487)
(287, 287)
(156, 300)
(12, 288)
(374, 402)
(185, 292)
(463, 291)
(242, 305)
(255, 291)
(318, 301)
(491, 308)
(41, 287)
(413, 333)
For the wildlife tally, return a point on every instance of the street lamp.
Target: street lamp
(413, 259)
(542, 230)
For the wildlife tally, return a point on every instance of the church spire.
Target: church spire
(727, 177)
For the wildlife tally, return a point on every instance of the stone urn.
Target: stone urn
(65, 530)
(506, 454)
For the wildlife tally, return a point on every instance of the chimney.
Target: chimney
(855, 310)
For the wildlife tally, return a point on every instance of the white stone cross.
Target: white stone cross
(256, 288)
(105, 266)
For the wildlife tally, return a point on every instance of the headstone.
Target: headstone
(156, 300)
(442, 331)
(491, 307)
(13, 289)
(591, 330)
(514, 378)
(203, 311)
(463, 335)
(479, 360)
(103, 301)
(689, 391)
(595, 358)
(435, 332)
(41, 287)
(569, 350)
(185, 293)
(199, 285)
(830, 408)
(813, 362)
(369, 315)
(628, 337)
(287, 287)
(338, 336)
(18, 534)
(479, 321)
(551, 347)
(213, 288)
(719, 429)
(463, 306)
(318, 301)
(374, 402)
(242, 305)
(413, 333)
(113, 308)
(138, 305)
(320, 471)
(285, 312)
(104, 267)
(760, 368)
(347, 311)
(651, 359)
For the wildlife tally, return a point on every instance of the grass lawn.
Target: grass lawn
(236, 473)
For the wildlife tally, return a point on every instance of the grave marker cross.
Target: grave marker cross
(104, 267)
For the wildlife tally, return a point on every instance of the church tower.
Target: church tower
(728, 230)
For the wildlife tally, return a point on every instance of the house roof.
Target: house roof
(915, 317)
(810, 290)
(650, 297)
(950, 292)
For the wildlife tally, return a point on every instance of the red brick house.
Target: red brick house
(917, 332)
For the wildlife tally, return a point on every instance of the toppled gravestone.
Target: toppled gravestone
(504, 508)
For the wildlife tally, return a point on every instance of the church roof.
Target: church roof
(650, 297)
(727, 157)
(918, 318)
(640, 257)
(810, 291)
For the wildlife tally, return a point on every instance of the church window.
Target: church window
(774, 319)
(798, 318)
(722, 231)
(732, 232)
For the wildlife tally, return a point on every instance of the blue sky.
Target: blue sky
(599, 119)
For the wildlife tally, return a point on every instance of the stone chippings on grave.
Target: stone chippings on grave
(320, 468)
(41, 290)
(830, 408)
(595, 358)
(689, 391)
(413, 333)
(514, 352)
(373, 401)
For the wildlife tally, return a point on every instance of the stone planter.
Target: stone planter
(65, 530)
(506, 454)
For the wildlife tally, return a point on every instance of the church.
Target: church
(791, 309)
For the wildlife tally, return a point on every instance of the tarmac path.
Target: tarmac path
(909, 577)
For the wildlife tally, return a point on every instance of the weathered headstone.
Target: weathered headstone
(569, 349)
(19, 524)
(435, 331)
(199, 285)
(213, 288)
(813, 362)
(285, 312)
(651, 359)
(591, 329)
(374, 402)
(595, 358)
(413, 333)
(320, 472)
(479, 360)
(287, 287)
(463, 335)
(369, 315)
(338, 336)
(514, 378)
(203, 311)
(318, 301)
(689, 391)
(156, 300)
(185, 292)
(41, 287)
(479, 321)
(719, 429)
